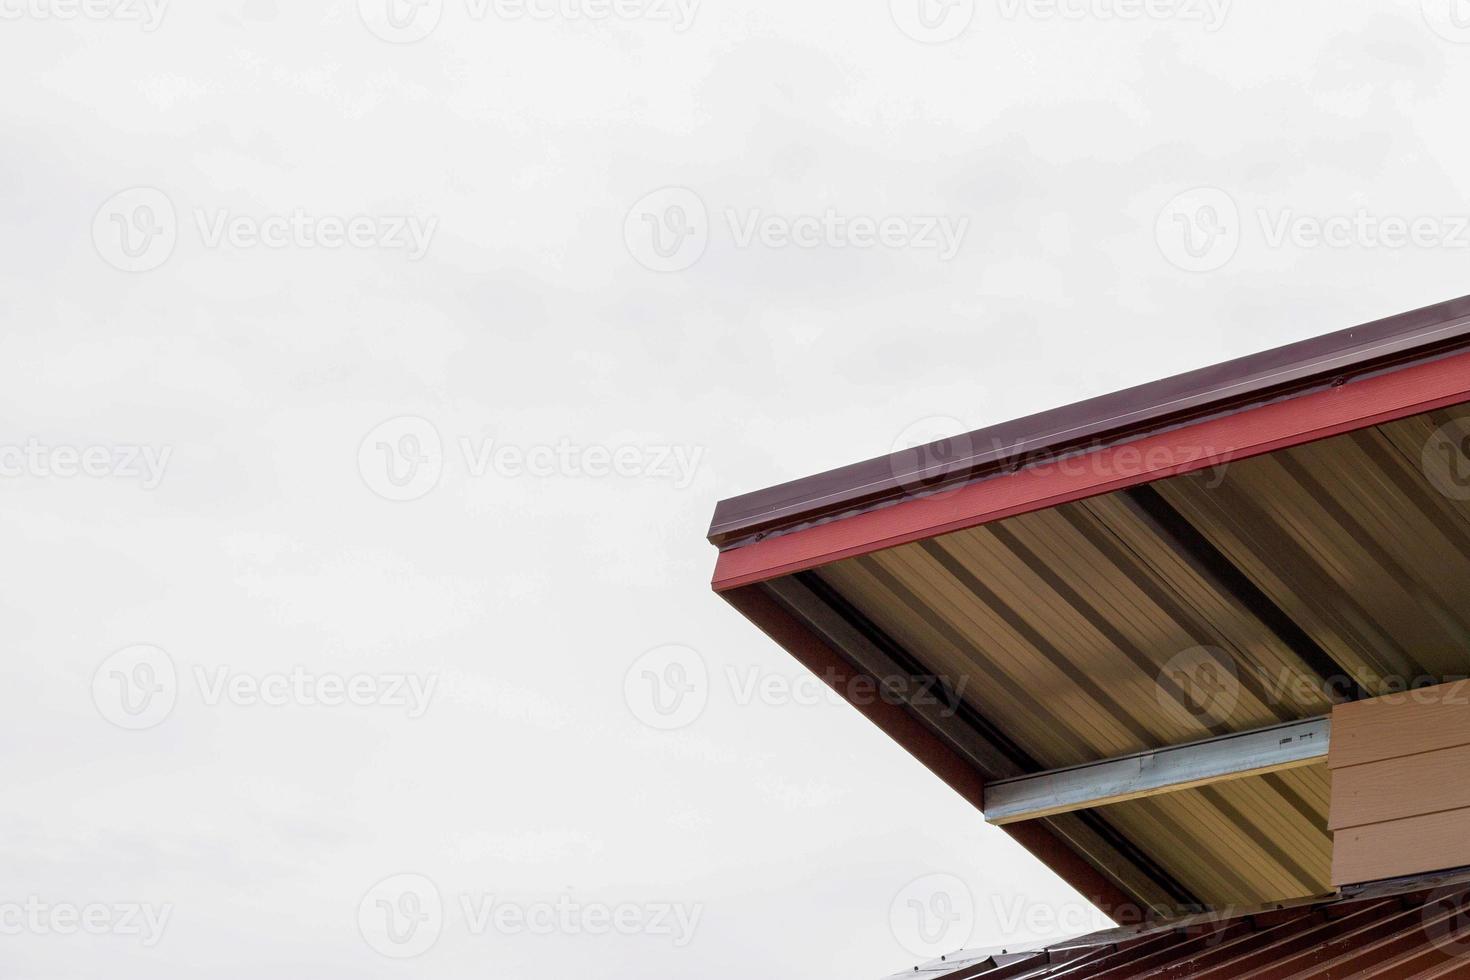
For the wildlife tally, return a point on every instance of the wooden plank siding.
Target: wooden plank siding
(1400, 799)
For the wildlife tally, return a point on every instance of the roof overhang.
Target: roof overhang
(1043, 595)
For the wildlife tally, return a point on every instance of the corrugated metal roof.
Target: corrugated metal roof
(1417, 934)
(1287, 371)
(1220, 601)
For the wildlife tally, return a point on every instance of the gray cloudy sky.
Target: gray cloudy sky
(369, 376)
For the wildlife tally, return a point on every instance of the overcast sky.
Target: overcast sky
(369, 378)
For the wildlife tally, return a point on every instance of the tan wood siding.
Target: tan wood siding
(1431, 842)
(1393, 789)
(1401, 724)
(1400, 799)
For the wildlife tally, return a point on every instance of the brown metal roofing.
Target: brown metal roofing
(1299, 578)
(1418, 934)
(1419, 335)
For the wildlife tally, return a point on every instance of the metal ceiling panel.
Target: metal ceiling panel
(1355, 542)
(1221, 601)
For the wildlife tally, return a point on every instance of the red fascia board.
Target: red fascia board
(1358, 404)
(792, 635)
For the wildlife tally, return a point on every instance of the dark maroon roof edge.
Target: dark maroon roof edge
(1333, 358)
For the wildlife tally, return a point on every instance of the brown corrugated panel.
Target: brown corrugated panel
(1420, 933)
(1217, 602)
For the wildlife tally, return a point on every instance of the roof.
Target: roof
(1415, 930)
(1332, 359)
(1231, 549)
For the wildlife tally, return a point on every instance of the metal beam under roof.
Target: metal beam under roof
(1166, 770)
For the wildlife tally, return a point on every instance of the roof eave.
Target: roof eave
(1293, 370)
